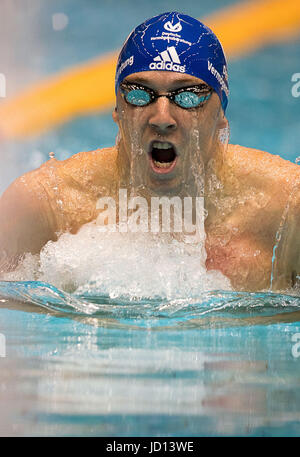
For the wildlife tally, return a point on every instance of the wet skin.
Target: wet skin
(246, 191)
(191, 132)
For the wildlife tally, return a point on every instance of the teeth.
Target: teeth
(164, 145)
(161, 164)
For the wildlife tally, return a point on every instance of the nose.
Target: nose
(161, 118)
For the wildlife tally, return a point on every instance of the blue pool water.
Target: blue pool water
(215, 363)
(224, 364)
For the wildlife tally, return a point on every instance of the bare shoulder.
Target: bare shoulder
(55, 180)
(27, 221)
(58, 196)
(262, 169)
(81, 167)
(92, 166)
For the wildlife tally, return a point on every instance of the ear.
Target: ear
(115, 115)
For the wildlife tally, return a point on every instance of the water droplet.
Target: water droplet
(51, 155)
(59, 21)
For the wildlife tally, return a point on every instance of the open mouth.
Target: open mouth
(162, 156)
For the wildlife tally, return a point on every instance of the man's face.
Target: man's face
(163, 146)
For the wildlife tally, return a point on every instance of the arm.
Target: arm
(25, 221)
(287, 260)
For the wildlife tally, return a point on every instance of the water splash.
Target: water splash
(132, 265)
(217, 309)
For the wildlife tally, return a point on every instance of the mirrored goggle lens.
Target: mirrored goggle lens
(189, 99)
(138, 97)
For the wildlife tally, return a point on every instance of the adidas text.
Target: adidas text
(167, 66)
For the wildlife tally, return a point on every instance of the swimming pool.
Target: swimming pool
(152, 357)
(225, 364)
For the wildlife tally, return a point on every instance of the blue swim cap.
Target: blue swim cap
(179, 43)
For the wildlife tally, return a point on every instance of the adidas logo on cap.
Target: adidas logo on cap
(167, 60)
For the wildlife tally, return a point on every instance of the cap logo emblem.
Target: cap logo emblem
(173, 28)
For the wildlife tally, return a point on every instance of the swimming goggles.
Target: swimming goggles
(186, 97)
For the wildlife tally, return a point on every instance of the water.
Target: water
(144, 342)
(220, 365)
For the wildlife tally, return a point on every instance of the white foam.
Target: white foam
(135, 265)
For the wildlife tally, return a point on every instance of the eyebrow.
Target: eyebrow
(176, 84)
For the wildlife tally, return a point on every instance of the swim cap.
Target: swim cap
(179, 43)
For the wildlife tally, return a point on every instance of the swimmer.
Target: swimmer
(171, 98)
